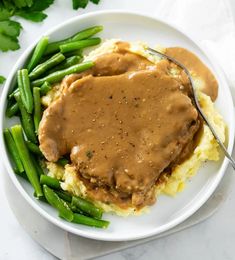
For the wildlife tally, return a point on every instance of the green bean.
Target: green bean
(64, 195)
(64, 198)
(74, 53)
(26, 160)
(42, 198)
(10, 106)
(11, 146)
(25, 90)
(2, 79)
(47, 65)
(21, 174)
(87, 207)
(38, 53)
(11, 95)
(84, 34)
(12, 150)
(54, 200)
(26, 120)
(45, 88)
(84, 220)
(12, 110)
(37, 108)
(72, 46)
(47, 57)
(66, 64)
(33, 148)
(75, 209)
(50, 182)
(59, 75)
(87, 33)
(37, 166)
(63, 161)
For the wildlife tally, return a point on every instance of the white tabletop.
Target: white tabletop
(213, 239)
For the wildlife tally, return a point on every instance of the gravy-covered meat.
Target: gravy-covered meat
(123, 127)
(121, 131)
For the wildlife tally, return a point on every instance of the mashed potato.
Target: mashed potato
(207, 148)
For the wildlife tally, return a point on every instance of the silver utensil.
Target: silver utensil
(197, 105)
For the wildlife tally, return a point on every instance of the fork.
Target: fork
(196, 102)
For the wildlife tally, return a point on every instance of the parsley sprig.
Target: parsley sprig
(9, 29)
(83, 3)
(32, 10)
(2, 79)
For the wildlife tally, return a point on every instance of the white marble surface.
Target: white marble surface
(213, 239)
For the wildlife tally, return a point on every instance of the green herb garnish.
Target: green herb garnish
(83, 3)
(89, 154)
(2, 79)
(32, 10)
(10, 30)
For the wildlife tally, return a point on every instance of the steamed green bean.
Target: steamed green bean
(66, 63)
(72, 46)
(84, 34)
(84, 220)
(37, 108)
(27, 162)
(13, 150)
(25, 90)
(26, 120)
(63, 161)
(46, 87)
(33, 148)
(87, 207)
(59, 75)
(50, 182)
(38, 53)
(12, 110)
(47, 65)
(53, 199)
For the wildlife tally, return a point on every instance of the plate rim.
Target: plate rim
(85, 233)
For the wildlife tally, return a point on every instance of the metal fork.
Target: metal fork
(197, 105)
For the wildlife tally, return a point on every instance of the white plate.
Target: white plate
(167, 212)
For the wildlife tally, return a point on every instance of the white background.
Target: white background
(213, 239)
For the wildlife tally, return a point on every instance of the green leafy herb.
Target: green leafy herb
(79, 4)
(2, 79)
(95, 1)
(35, 12)
(10, 28)
(8, 43)
(89, 154)
(28, 9)
(9, 31)
(32, 16)
(39, 5)
(8, 5)
(4, 13)
(32, 10)
(22, 3)
(83, 3)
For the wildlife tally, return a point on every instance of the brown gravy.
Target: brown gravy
(124, 123)
(197, 68)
